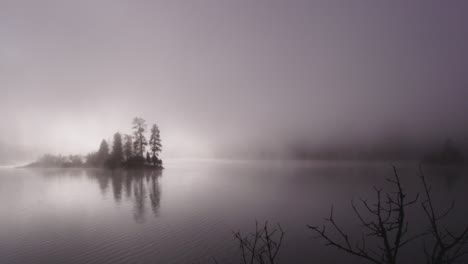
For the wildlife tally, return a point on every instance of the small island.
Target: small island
(126, 152)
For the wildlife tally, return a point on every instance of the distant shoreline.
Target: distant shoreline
(37, 166)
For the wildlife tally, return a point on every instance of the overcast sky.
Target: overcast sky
(217, 74)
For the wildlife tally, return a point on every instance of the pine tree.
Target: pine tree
(139, 126)
(154, 159)
(128, 147)
(117, 150)
(148, 158)
(103, 153)
(155, 140)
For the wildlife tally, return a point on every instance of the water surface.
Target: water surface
(186, 214)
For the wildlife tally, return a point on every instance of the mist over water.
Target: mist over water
(153, 130)
(232, 78)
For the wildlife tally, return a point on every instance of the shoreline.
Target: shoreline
(148, 167)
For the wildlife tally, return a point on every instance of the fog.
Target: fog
(228, 77)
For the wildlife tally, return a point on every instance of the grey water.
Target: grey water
(187, 212)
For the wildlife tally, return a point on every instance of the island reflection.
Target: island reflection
(141, 187)
(136, 185)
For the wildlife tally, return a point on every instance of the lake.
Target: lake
(187, 213)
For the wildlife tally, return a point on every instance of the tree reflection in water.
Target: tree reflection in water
(138, 185)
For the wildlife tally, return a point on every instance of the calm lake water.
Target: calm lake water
(187, 213)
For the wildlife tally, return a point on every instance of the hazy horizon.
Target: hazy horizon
(340, 126)
(224, 77)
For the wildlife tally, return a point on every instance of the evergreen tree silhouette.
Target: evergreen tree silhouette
(155, 140)
(128, 147)
(117, 151)
(103, 153)
(148, 158)
(140, 143)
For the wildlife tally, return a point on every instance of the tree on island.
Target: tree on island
(127, 154)
(128, 147)
(155, 160)
(116, 157)
(155, 144)
(148, 158)
(139, 126)
(137, 158)
(103, 153)
(48, 161)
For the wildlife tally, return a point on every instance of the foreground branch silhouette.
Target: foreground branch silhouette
(385, 231)
(386, 224)
(447, 247)
(385, 221)
(262, 246)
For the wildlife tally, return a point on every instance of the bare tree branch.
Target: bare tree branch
(385, 220)
(448, 247)
(262, 246)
